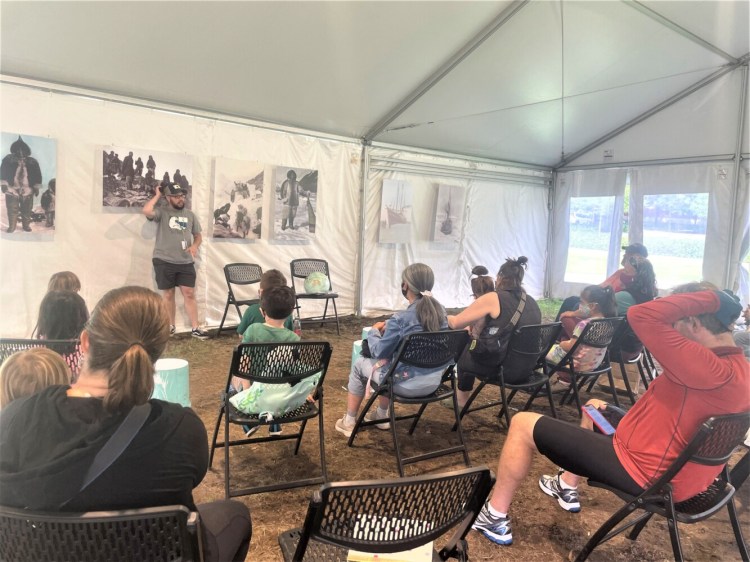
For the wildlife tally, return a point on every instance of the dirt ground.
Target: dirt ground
(541, 530)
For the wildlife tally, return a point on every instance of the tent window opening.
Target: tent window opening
(590, 227)
(674, 231)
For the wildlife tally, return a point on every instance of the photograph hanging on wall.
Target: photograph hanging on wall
(238, 199)
(449, 212)
(27, 179)
(395, 212)
(294, 204)
(130, 176)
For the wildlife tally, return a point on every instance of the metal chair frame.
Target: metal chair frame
(381, 516)
(238, 274)
(300, 269)
(712, 445)
(426, 350)
(292, 363)
(154, 533)
(626, 334)
(70, 350)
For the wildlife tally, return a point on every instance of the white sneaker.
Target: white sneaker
(372, 415)
(343, 427)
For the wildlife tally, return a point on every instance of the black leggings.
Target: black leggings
(226, 530)
(583, 452)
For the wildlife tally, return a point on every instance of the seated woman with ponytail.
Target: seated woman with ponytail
(424, 314)
(49, 440)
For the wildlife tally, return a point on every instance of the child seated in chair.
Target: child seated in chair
(27, 372)
(596, 302)
(253, 314)
(276, 305)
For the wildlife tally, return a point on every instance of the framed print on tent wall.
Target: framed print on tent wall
(29, 187)
(395, 212)
(130, 176)
(449, 213)
(294, 204)
(238, 199)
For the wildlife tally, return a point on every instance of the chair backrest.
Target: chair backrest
(277, 363)
(242, 274)
(155, 533)
(600, 332)
(528, 346)
(70, 350)
(395, 515)
(301, 268)
(625, 340)
(431, 349)
(713, 443)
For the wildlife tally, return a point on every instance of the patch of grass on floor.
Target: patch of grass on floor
(549, 308)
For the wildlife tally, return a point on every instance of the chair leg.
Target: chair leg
(615, 399)
(737, 530)
(325, 313)
(392, 414)
(336, 314)
(467, 407)
(321, 437)
(226, 455)
(216, 433)
(505, 408)
(224, 316)
(361, 416)
(417, 418)
(642, 368)
(299, 437)
(465, 451)
(639, 526)
(626, 381)
(674, 533)
(598, 537)
(550, 398)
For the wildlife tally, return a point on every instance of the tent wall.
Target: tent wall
(506, 211)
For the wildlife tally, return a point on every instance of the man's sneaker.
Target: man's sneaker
(372, 415)
(200, 334)
(568, 499)
(172, 330)
(275, 429)
(497, 529)
(343, 427)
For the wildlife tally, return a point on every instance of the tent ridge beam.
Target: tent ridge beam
(449, 65)
(654, 110)
(656, 16)
(654, 162)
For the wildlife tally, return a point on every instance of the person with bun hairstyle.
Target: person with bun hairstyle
(481, 284)
(495, 309)
(64, 281)
(49, 440)
(424, 314)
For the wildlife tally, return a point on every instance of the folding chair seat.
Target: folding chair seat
(69, 350)
(527, 349)
(153, 533)
(274, 363)
(597, 333)
(430, 350)
(239, 274)
(712, 445)
(380, 516)
(300, 269)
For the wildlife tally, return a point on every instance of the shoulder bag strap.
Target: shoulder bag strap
(519, 311)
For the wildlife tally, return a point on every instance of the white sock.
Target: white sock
(382, 412)
(564, 485)
(349, 420)
(494, 512)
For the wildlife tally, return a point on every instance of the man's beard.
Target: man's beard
(179, 205)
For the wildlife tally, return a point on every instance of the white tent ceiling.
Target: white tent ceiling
(531, 82)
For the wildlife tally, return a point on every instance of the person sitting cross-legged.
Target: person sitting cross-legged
(704, 375)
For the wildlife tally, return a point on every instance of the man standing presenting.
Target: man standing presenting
(174, 252)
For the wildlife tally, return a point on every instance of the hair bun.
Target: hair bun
(479, 270)
(522, 260)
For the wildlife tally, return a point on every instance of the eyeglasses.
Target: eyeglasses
(178, 196)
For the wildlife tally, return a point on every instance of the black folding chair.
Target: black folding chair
(300, 269)
(69, 350)
(527, 349)
(380, 516)
(712, 445)
(154, 533)
(274, 363)
(597, 333)
(627, 349)
(428, 350)
(239, 274)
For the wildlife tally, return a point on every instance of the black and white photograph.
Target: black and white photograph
(449, 213)
(395, 212)
(28, 183)
(238, 199)
(294, 204)
(130, 176)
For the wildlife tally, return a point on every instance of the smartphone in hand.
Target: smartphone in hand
(599, 420)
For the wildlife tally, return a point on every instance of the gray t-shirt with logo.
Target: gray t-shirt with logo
(174, 233)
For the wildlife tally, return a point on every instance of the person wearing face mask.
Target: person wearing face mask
(595, 302)
(424, 314)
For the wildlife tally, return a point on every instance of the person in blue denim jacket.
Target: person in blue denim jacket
(424, 313)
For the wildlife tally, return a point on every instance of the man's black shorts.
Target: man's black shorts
(170, 275)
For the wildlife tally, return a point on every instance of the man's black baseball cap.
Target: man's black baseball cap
(171, 189)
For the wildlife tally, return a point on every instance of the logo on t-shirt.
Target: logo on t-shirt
(178, 223)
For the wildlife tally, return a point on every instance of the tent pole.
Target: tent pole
(550, 226)
(444, 69)
(365, 177)
(655, 162)
(656, 16)
(654, 110)
(736, 183)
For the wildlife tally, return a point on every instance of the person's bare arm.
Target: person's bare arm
(148, 208)
(488, 303)
(197, 241)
